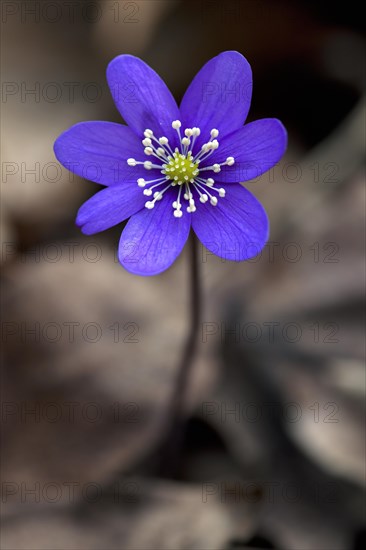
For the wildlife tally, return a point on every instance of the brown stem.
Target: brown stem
(169, 451)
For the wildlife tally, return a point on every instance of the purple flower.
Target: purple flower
(172, 168)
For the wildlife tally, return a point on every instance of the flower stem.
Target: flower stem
(170, 450)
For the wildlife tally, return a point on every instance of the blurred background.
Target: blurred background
(273, 454)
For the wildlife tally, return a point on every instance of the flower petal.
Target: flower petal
(236, 229)
(141, 96)
(110, 207)
(98, 151)
(219, 96)
(256, 147)
(153, 239)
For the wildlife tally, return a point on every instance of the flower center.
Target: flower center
(181, 168)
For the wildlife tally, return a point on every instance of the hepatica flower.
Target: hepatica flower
(173, 169)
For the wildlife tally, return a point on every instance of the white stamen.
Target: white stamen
(181, 168)
(159, 181)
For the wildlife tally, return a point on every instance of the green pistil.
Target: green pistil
(181, 168)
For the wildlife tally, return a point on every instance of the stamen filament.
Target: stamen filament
(181, 168)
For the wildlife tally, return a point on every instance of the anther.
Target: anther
(181, 169)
